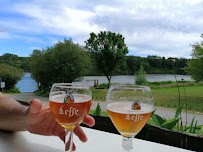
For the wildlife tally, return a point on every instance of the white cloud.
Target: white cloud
(35, 48)
(164, 28)
(60, 20)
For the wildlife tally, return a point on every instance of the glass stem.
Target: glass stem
(69, 140)
(127, 144)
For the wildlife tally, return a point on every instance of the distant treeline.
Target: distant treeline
(156, 64)
(151, 64)
(14, 60)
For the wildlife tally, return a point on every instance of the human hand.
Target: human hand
(39, 120)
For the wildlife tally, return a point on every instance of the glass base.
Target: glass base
(127, 144)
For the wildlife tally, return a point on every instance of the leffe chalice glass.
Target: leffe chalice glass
(69, 104)
(129, 107)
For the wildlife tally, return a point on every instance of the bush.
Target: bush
(102, 86)
(61, 63)
(10, 75)
(13, 90)
(42, 94)
(140, 78)
(97, 111)
(159, 83)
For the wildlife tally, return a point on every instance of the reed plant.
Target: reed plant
(174, 122)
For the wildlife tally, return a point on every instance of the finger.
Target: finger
(35, 107)
(89, 120)
(80, 133)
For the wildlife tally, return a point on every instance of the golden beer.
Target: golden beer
(70, 115)
(129, 122)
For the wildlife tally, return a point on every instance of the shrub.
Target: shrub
(140, 78)
(13, 90)
(102, 86)
(10, 75)
(97, 111)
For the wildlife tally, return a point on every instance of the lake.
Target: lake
(27, 84)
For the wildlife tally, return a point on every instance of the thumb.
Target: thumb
(35, 107)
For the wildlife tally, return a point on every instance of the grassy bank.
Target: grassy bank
(168, 97)
(11, 91)
(166, 94)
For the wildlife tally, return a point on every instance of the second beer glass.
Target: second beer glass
(129, 107)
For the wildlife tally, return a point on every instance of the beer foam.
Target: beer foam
(78, 98)
(125, 108)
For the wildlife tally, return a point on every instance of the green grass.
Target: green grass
(171, 84)
(38, 93)
(201, 132)
(168, 97)
(102, 113)
(99, 94)
(11, 91)
(166, 94)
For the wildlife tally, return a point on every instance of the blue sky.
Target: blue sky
(158, 27)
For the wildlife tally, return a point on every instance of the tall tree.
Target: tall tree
(63, 62)
(195, 65)
(108, 49)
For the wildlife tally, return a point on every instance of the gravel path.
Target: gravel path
(164, 112)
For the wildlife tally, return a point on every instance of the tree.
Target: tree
(63, 62)
(163, 62)
(14, 60)
(108, 50)
(140, 78)
(180, 63)
(10, 75)
(121, 69)
(195, 65)
(134, 63)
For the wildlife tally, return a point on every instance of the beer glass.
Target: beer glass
(129, 107)
(69, 104)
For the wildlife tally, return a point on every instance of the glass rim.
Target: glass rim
(70, 84)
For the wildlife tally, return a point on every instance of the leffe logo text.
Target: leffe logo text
(69, 112)
(134, 118)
